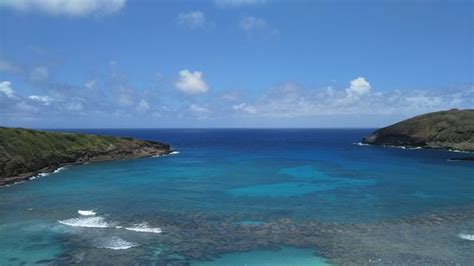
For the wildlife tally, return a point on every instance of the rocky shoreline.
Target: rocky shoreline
(446, 130)
(52, 168)
(25, 153)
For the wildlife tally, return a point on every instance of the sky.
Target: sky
(232, 63)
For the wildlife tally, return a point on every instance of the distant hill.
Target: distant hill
(26, 152)
(453, 129)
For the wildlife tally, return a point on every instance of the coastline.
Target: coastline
(50, 169)
(405, 147)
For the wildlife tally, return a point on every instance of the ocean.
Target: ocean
(246, 197)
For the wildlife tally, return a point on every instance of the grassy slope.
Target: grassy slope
(32, 150)
(445, 129)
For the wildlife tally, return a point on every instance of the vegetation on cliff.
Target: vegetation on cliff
(26, 152)
(453, 129)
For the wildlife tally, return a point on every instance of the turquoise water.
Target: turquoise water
(283, 257)
(228, 193)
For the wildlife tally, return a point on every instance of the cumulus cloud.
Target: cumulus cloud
(359, 86)
(112, 99)
(238, 3)
(291, 100)
(46, 100)
(73, 8)
(192, 19)
(6, 89)
(191, 82)
(254, 26)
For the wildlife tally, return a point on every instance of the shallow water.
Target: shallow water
(230, 191)
(283, 257)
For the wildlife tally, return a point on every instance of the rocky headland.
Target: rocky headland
(25, 153)
(449, 130)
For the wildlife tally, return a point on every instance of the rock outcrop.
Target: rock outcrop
(25, 152)
(453, 129)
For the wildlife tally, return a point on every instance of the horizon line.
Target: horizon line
(187, 128)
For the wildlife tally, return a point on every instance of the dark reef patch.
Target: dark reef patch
(423, 240)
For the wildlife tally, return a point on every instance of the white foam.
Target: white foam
(160, 155)
(91, 222)
(143, 227)
(458, 151)
(59, 169)
(39, 175)
(402, 147)
(16, 183)
(116, 243)
(86, 212)
(469, 237)
(361, 144)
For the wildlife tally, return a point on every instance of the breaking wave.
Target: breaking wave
(143, 227)
(466, 237)
(59, 169)
(86, 212)
(90, 222)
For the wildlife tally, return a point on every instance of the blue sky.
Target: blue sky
(232, 63)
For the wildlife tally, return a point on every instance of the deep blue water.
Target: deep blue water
(252, 175)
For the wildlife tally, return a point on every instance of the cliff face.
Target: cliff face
(25, 152)
(453, 129)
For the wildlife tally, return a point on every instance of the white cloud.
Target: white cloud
(198, 109)
(192, 19)
(252, 23)
(24, 107)
(125, 100)
(257, 26)
(238, 3)
(39, 73)
(191, 82)
(291, 100)
(74, 8)
(90, 84)
(143, 106)
(245, 108)
(9, 67)
(199, 112)
(231, 95)
(46, 100)
(359, 87)
(75, 106)
(6, 88)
